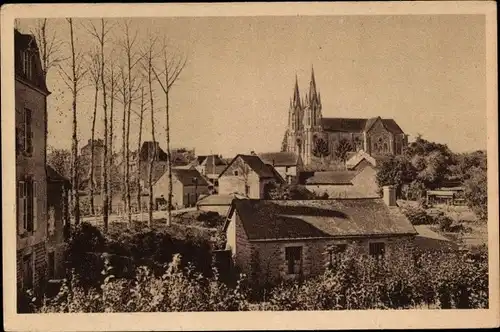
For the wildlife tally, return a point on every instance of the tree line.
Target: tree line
(121, 71)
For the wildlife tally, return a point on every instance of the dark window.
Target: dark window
(377, 249)
(27, 271)
(336, 251)
(28, 133)
(235, 173)
(293, 256)
(51, 265)
(28, 64)
(247, 189)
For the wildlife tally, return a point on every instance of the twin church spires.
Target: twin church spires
(307, 111)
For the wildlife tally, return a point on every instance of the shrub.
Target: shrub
(417, 216)
(444, 223)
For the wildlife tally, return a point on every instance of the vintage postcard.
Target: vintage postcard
(240, 166)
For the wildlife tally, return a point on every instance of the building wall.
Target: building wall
(241, 249)
(179, 191)
(57, 205)
(34, 165)
(230, 183)
(272, 265)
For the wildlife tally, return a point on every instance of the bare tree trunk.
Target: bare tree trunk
(74, 145)
(172, 68)
(111, 156)
(139, 141)
(92, 156)
(105, 200)
(151, 156)
(124, 154)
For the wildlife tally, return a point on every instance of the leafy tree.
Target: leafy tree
(289, 191)
(60, 160)
(465, 162)
(396, 170)
(342, 148)
(320, 148)
(284, 144)
(476, 192)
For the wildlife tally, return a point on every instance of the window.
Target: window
(28, 133)
(335, 252)
(51, 265)
(27, 271)
(235, 173)
(27, 205)
(27, 64)
(293, 256)
(377, 249)
(247, 189)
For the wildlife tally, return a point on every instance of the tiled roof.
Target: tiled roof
(147, 149)
(279, 158)
(223, 199)
(186, 177)
(294, 219)
(332, 178)
(54, 176)
(24, 42)
(357, 124)
(256, 164)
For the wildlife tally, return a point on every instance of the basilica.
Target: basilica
(306, 126)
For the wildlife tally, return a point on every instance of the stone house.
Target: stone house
(187, 186)
(276, 240)
(210, 167)
(360, 183)
(33, 186)
(287, 164)
(86, 156)
(247, 175)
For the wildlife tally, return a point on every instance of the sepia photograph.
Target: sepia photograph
(277, 160)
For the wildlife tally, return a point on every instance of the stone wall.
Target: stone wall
(272, 265)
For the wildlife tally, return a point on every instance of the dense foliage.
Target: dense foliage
(438, 280)
(427, 165)
(342, 148)
(320, 148)
(290, 191)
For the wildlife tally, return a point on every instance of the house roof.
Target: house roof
(187, 176)
(256, 164)
(54, 176)
(301, 219)
(24, 42)
(331, 178)
(147, 149)
(358, 157)
(427, 239)
(358, 124)
(221, 199)
(279, 158)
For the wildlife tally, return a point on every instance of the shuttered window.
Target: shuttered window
(21, 207)
(28, 132)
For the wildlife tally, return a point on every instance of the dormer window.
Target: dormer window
(27, 64)
(235, 173)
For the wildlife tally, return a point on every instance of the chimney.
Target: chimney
(273, 162)
(252, 153)
(389, 195)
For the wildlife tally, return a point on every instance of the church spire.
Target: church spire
(312, 86)
(296, 95)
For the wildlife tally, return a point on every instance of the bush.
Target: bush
(444, 222)
(177, 289)
(417, 216)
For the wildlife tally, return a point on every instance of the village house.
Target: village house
(360, 183)
(86, 157)
(272, 240)
(187, 186)
(38, 241)
(210, 167)
(287, 164)
(247, 175)
(359, 160)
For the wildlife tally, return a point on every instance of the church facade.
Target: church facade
(307, 126)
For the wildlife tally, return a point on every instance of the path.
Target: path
(136, 216)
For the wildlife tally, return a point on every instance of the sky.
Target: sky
(426, 72)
